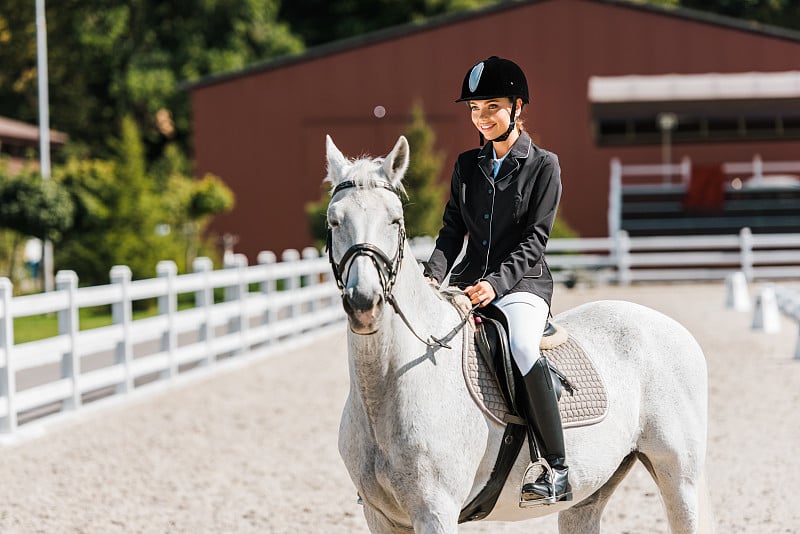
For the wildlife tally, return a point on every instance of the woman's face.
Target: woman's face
(492, 117)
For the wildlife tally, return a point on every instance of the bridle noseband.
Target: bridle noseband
(387, 268)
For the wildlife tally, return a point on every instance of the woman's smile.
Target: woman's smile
(491, 115)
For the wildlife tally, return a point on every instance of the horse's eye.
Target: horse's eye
(333, 223)
(398, 221)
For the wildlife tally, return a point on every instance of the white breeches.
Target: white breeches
(526, 314)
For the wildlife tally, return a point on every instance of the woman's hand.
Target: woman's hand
(481, 293)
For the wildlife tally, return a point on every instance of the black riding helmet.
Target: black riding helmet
(496, 77)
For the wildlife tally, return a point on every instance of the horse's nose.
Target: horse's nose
(360, 301)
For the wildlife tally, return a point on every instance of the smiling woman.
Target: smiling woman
(504, 198)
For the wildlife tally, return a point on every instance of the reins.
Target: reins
(388, 270)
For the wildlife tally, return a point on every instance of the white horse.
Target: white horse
(416, 445)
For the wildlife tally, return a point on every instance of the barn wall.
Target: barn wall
(264, 131)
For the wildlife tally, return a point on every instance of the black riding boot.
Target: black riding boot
(540, 406)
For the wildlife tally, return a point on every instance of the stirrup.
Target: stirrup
(542, 501)
(541, 464)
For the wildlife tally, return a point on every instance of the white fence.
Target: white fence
(261, 307)
(623, 259)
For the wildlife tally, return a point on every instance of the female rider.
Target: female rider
(504, 197)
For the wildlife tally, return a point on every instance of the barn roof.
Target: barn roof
(454, 18)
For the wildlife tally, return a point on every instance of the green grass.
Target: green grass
(37, 327)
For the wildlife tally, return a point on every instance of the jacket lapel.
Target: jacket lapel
(512, 163)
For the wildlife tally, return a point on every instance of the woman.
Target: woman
(504, 197)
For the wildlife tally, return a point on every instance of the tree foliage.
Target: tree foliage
(784, 13)
(321, 21)
(127, 215)
(111, 60)
(426, 194)
(34, 207)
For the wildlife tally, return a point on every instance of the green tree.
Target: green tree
(30, 207)
(34, 207)
(321, 21)
(784, 13)
(109, 60)
(127, 215)
(426, 194)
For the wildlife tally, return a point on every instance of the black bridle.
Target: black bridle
(387, 268)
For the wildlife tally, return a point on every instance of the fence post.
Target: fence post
(797, 347)
(268, 286)
(244, 289)
(686, 170)
(8, 377)
(204, 298)
(746, 252)
(168, 305)
(121, 314)
(311, 279)
(758, 169)
(292, 282)
(766, 316)
(237, 293)
(68, 325)
(737, 296)
(623, 252)
(615, 198)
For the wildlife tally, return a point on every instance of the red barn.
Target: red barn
(263, 129)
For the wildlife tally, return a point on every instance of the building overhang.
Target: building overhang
(706, 107)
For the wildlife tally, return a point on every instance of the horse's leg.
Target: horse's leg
(436, 520)
(379, 523)
(584, 517)
(679, 479)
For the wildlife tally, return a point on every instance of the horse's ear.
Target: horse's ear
(396, 163)
(336, 162)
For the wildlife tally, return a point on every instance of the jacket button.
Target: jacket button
(484, 242)
(490, 190)
(485, 215)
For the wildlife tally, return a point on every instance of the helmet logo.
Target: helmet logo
(475, 76)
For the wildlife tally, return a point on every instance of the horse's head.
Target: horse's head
(366, 234)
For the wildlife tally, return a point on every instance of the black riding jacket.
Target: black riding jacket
(507, 220)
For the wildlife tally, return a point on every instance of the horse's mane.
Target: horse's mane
(365, 173)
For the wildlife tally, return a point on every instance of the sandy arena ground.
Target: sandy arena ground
(254, 450)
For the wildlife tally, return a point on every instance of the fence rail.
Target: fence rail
(256, 307)
(624, 259)
(250, 309)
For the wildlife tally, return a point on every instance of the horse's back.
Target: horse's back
(648, 359)
(631, 332)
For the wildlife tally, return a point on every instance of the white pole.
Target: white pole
(44, 129)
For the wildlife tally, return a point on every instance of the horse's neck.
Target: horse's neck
(378, 360)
